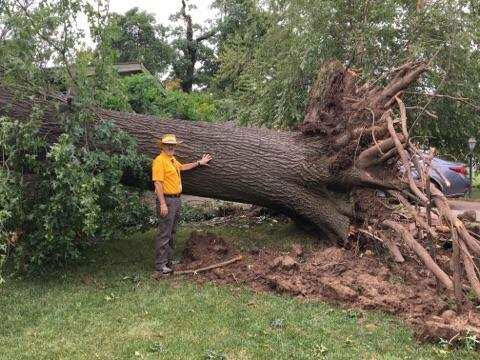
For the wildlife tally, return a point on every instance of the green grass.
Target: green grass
(475, 194)
(109, 308)
(247, 236)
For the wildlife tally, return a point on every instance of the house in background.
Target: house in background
(130, 68)
(126, 69)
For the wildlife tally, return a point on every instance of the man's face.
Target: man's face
(169, 149)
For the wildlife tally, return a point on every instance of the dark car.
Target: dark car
(450, 177)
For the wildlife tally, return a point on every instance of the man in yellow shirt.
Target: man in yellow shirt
(168, 187)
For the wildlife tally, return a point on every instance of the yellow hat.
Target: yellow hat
(169, 139)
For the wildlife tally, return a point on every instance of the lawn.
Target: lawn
(110, 308)
(475, 194)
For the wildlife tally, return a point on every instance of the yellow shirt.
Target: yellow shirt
(166, 168)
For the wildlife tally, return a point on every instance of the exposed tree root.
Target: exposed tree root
(385, 156)
(391, 246)
(394, 250)
(460, 235)
(457, 271)
(470, 269)
(418, 219)
(422, 253)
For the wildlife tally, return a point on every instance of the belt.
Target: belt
(172, 195)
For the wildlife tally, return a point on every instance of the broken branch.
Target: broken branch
(210, 267)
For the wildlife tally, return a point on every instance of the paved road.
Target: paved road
(460, 206)
(464, 205)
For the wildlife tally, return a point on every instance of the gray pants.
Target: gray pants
(167, 227)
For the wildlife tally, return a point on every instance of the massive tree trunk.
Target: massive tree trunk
(264, 167)
(280, 170)
(325, 172)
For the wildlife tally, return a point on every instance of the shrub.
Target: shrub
(55, 199)
(195, 106)
(146, 95)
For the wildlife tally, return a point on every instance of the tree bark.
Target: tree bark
(280, 170)
(191, 53)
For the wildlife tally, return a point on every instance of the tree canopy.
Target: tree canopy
(267, 63)
(194, 60)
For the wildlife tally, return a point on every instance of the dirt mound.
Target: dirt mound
(336, 274)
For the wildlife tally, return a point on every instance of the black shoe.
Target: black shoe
(165, 270)
(158, 274)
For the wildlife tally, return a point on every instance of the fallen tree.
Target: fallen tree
(326, 172)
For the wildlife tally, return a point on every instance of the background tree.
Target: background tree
(141, 39)
(240, 20)
(267, 67)
(194, 61)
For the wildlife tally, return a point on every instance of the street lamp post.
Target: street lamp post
(471, 146)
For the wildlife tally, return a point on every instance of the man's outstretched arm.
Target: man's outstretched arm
(203, 161)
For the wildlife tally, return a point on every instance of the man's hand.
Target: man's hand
(205, 159)
(163, 210)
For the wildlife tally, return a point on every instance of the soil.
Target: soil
(334, 274)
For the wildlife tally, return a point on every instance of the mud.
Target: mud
(334, 274)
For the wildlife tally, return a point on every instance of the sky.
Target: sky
(162, 9)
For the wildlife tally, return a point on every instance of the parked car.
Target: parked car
(450, 177)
